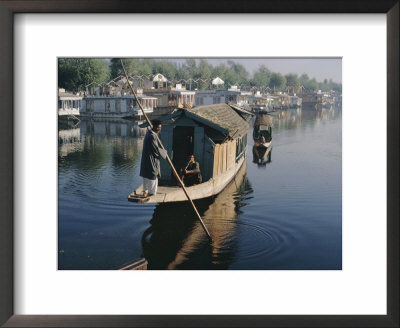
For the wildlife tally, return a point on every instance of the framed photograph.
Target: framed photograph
(309, 232)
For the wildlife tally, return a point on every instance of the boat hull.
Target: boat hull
(214, 186)
(260, 144)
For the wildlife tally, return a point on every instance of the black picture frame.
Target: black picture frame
(10, 7)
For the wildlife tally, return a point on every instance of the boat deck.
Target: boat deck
(262, 144)
(206, 189)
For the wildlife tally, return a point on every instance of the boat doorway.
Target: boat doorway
(182, 146)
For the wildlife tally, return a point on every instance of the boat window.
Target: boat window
(241, 144)
(118, 105)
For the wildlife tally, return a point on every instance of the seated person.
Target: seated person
(191, 174)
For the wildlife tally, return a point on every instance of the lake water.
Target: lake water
(286, 214)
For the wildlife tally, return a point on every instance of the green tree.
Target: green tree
(277, 81)
(144, 68)
(115, 68)
(132, 66)
(292, 80)
(166, 68)
(181, 73)
(204, 74)
(75, 73)
(190, 67)
(304, 79)
(240, 71)
(262, 77)
(312, 85)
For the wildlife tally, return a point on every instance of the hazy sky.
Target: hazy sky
(320, 68)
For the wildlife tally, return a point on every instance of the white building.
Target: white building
(180, 97)
(235, 96)
(116, 107)
(217, 81)
(159, 81)
(208, 97)
(258, 99)
(68, 103)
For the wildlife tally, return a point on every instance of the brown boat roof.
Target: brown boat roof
(264, 119)
(222, 116)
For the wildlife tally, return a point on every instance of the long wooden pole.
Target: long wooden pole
(168, 159)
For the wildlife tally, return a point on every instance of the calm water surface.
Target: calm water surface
(285, 214)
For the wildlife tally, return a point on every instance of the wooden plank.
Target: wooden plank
(137, 265)
(231, 154)
(224, 154)
(206, 189)
(219, 160)
(207, 170)
(216, 167)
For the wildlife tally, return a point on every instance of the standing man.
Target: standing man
(150, 163)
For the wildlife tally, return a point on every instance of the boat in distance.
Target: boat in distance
(262, 132)
(216, 135)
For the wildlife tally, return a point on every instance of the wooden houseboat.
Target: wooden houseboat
(314, 101)
(262, 132)
(260, 103)
(69, 104)
(216, 135)
(116, 107)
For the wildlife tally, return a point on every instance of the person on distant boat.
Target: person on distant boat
(150, 163)
(191, 174)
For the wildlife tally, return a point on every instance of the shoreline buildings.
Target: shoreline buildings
(113, 99)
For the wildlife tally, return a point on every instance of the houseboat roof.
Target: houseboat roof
(222, 115)
(182, 91)
(241, 111)
(146, 97)
(264, 120)
(68, 96)
(160, 78)
(140, 96)
(224, 118)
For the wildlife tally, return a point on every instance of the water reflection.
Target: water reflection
(69, 141)
(112, 128)
(291, 119)
(92, 145)
(297, 226)
(262, 156)
(176, 240)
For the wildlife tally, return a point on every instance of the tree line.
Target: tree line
(75, 73)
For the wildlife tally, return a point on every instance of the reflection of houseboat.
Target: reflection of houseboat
(69, 141)
(262, 156)
(262, 132)
(111, 128)
(116, 107)
(295, 102)
(216, 135)
(185, 236)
